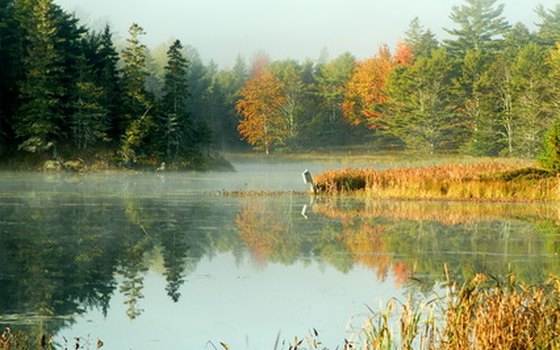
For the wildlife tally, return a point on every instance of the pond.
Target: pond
(174, 261)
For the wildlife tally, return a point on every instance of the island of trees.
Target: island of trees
(490, 88)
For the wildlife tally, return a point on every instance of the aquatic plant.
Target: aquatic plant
(488, 181)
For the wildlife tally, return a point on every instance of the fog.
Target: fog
(222, 29)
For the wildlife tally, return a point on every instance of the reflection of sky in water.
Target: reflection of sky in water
(240, 305)
(246, 304)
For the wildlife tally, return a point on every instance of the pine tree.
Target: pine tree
(480, 27)
(110, 82)
(37, 123)
(137, 104)
(423, 116)
(175, 129)
(422, 41)
(549, 28)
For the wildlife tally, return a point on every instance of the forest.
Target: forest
(66, 92)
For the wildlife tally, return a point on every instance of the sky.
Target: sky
(221, 30)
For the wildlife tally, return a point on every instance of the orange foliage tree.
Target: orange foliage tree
(365, 92)
(366, 95)
(263, 125)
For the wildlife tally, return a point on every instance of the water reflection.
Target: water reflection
(66, 253)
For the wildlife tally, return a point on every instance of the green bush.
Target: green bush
(550, 158)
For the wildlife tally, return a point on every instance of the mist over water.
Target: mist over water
(167, 260)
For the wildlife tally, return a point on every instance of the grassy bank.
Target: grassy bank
(487, 181)
(484, 313)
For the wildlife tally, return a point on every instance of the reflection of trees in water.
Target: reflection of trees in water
(63, 254)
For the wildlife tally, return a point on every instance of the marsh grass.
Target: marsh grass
(483, 313)
(485, 182)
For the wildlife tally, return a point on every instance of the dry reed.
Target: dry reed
(485, 182)
(484, 313)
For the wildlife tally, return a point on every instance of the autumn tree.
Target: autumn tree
(365, 94)
(260, 106)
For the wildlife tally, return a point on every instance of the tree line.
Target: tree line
(490, 88)
(65, 91)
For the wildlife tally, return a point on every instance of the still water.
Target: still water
(173, 261)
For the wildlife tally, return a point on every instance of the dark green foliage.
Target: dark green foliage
(38, 120)
(423, 116)
(174, 126)
(550, 157)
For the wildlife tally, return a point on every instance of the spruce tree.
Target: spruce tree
(37, 123)
(110, 82)
(89, 123)
(175, 128)
(137, 122)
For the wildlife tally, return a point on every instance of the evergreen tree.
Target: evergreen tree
(110, 82)
(422, 41)
(89, 122)
(423, 116)
(480, 26)
(533, 97)
(328, 125)
(549, 27)
(9, 66)
(37, 123)
(175, 129)
(137, 104)
(229, 83)
(550, 157)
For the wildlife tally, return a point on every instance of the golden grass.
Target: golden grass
(484, 313)
(484, 182)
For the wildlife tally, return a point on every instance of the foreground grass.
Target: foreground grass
(483, 313)
(487, 181)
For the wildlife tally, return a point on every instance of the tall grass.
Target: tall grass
(484, 313)
(489, 181)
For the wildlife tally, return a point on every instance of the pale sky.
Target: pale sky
(299, 29)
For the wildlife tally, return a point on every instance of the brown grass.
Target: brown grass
(489, 181)
(484, 313)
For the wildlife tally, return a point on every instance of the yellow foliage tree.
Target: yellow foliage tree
(263, 125)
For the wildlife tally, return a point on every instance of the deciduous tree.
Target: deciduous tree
(365, 94)
(260, 106)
